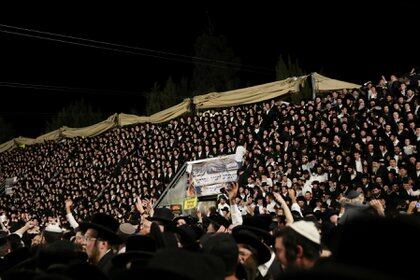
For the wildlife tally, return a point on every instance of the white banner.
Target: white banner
(210, 175)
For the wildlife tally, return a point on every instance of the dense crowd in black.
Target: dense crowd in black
(364, 140)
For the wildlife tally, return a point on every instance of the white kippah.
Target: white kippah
(308, 230)
(54, 228)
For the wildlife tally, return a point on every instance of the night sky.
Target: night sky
(354, 42)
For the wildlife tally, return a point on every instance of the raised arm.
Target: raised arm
(235, 213)
(295, 206)
(286, 210)
(22, 230)
(69, 216)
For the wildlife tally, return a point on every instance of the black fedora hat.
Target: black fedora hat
(262, 235)
(187, 236)
(105, 225)
(144, 243)
(243, 236)
(60, 252)
(260, 225)
(162, 215)
(217, 219)
(139, 249)
(183, 264)
(189, 220)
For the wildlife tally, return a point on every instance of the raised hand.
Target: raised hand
(221, 229)
(199, 216)
(139, 205)
(233, 192)
(411, 207)
(292, 194)
(30, 224)
(278, 197)
(68, 204)
(377, 205)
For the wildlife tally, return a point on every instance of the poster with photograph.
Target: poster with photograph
(207, 177)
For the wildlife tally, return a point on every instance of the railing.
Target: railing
(6, 186)
(116, 170)
(3, 187)
(171, 184)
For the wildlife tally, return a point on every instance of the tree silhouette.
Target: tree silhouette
(77, 114)
(159, 98)
(282, 71)
(6, 131)
(292, 69)
(217, 68)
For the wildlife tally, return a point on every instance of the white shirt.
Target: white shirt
(236, 215)
(242, 209)
(288, 183)
(266, 266)
(123, 249)
(359, 166)
(307, 188)
(395, 168)
(413, 193)
(72, 221)
(240, 152)
(307, 166)
(296, 207)
(320, 178)
(260, 209)
(408, 150)
(270, 207)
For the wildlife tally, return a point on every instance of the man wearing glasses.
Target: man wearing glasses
(100, 234)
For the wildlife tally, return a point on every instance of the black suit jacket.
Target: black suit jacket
(275, 271)
(105, 263)
(381, 172)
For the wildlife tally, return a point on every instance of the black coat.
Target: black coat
(105, 263)
(275, 271)
(381, 172)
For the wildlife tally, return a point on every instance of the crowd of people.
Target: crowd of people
(313, 172)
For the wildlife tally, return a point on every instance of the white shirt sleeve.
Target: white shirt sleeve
(240, 152)
(72, 221)
(296, 207)
(414, 193)
(3, 227)
(263, 268)
(19, 234)
(307, 188)
(235, 215)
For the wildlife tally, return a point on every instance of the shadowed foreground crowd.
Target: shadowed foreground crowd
(327, 188)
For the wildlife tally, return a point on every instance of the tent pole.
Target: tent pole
(313, 84)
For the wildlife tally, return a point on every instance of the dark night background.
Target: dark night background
(355, 42)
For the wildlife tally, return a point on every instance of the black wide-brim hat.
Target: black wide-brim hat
(182, 264)
(187, 234)
(121, 260)
(262, 234)
(261, 225)
(162, 215)
(189, 220)
(217, 219)
(243, 236)
(105, 225)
